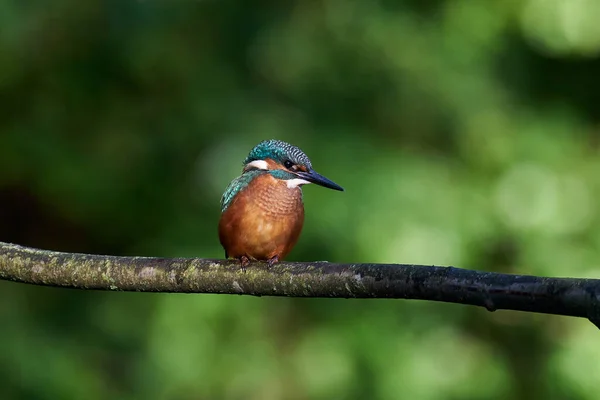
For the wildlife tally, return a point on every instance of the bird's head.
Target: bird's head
(285, 162)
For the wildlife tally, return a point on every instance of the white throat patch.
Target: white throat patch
(292, 183)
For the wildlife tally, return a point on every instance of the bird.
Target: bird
(262, 211)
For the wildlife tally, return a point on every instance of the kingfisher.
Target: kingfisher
(262, 212)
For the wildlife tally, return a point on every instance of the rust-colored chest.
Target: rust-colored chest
(263, 221)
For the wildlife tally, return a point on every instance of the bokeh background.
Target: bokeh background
(465, 134)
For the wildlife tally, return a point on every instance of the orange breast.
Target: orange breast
(264, 220)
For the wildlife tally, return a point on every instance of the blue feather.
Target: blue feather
(278, 151)
(236, 186)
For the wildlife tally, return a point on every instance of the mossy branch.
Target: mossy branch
(561, 296)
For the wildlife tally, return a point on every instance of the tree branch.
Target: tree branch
(561, 296)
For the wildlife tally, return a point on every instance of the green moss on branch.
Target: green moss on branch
(562, 296)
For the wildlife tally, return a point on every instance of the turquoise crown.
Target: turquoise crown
(278, 151)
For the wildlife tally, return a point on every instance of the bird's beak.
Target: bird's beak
(318, 179)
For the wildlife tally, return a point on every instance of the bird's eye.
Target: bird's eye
(288, 164)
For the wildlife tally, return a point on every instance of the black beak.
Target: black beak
(319, 179)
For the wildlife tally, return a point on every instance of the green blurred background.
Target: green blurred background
(464, 133)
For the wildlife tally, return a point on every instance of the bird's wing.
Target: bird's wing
(236, 186)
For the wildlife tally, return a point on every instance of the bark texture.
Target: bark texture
(561, 296)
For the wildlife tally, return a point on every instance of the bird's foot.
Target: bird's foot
(272, 261)
(244, 261)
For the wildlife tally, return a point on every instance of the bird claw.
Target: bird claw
(272, 261)
(244, 261)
